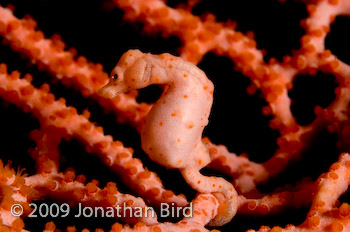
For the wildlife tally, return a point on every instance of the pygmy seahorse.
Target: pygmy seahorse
(171, 133)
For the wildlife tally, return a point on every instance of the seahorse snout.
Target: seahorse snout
(111, 90)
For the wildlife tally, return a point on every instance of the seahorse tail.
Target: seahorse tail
(220, 188)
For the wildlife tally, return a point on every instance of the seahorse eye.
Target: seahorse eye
(115, 77)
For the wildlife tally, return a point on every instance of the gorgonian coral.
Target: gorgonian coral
(62, 116)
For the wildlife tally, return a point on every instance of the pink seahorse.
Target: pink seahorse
(171, 133)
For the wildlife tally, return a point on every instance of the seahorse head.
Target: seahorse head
(131, 72)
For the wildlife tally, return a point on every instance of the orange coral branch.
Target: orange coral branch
(63, 187)
(324, 215)
(83, 75)
(297, 197)
(204, 209)
(57, 114)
